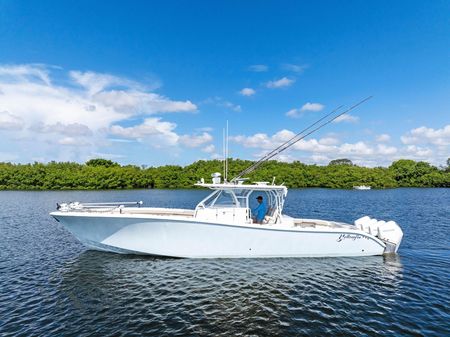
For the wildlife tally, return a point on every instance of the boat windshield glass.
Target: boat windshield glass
(222, 198)
(243, 198)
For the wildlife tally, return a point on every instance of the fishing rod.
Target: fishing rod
(274, 151)
(297, 138)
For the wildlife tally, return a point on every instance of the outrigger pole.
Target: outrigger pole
(299, 136)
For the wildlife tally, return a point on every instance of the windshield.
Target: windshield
(222, 198)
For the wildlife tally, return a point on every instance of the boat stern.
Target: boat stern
(389, 232)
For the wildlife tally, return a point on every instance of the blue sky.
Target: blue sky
(154, 82)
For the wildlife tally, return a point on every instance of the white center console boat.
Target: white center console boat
(222, 225)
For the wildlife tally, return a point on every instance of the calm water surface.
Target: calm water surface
(50, 285)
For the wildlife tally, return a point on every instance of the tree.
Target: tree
(343, 161)
(101, 162)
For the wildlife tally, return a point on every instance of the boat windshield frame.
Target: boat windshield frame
(239, 195)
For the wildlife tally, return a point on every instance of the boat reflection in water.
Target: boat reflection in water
(236, 296)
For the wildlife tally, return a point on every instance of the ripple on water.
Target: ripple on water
(50, 286)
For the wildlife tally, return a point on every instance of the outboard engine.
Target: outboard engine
(392, 235)
(388, 232)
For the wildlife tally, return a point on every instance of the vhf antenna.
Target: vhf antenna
(299, 136)
(225, 153)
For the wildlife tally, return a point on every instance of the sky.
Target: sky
(154, 82)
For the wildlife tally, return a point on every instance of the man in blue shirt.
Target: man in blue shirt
(260, 211)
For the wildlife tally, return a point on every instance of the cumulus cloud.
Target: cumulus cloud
(418, 151)
(319, 151)
(157, 132)
(31, 96)
(281, 83)
(258, 68)
(247, 92)
(296, 113)
(386, 150)
(346, 118)
(431, 145)
(424, 135)
(209, 148)
(196, 140)
(42, 103)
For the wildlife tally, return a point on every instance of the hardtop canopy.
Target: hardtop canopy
(237, 195)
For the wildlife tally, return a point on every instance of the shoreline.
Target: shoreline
(203, 189)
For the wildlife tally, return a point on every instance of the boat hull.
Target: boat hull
(193, 239)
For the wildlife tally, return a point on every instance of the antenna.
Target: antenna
(223, 152)
(299, 136)
(226, 154)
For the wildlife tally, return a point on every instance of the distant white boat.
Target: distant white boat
(361, 187)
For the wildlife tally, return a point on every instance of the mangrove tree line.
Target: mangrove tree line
(106, 174)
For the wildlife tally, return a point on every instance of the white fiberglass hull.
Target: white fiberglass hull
(189, 238)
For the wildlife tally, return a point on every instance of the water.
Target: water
(50, 285)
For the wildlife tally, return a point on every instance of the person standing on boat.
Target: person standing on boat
(259, 212)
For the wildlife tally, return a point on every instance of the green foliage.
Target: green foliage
(343, 161)
(411, 173)
(101, 162)
(105, 174)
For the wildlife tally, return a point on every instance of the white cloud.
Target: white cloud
(312, 107)
(329, 141)
(132, 102)
(296, 113)
(8, 121)
(23, 72)
(383, 138)
(31, 96)
(157, 132)
(358, 148)
(209, 148)
(74, 129)
(247, 92)
(73, 141)
(40, 103)
(195, 140)
(281, 83)
(424, 135)
(95, 82)
(220, 102)
(258, 68)
(418, 151)
(346, 118)
(386, 150)
(294, 67)
(319, 151)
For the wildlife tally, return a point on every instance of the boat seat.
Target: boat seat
(271, 215)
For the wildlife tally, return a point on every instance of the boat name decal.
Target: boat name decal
(352, 237)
